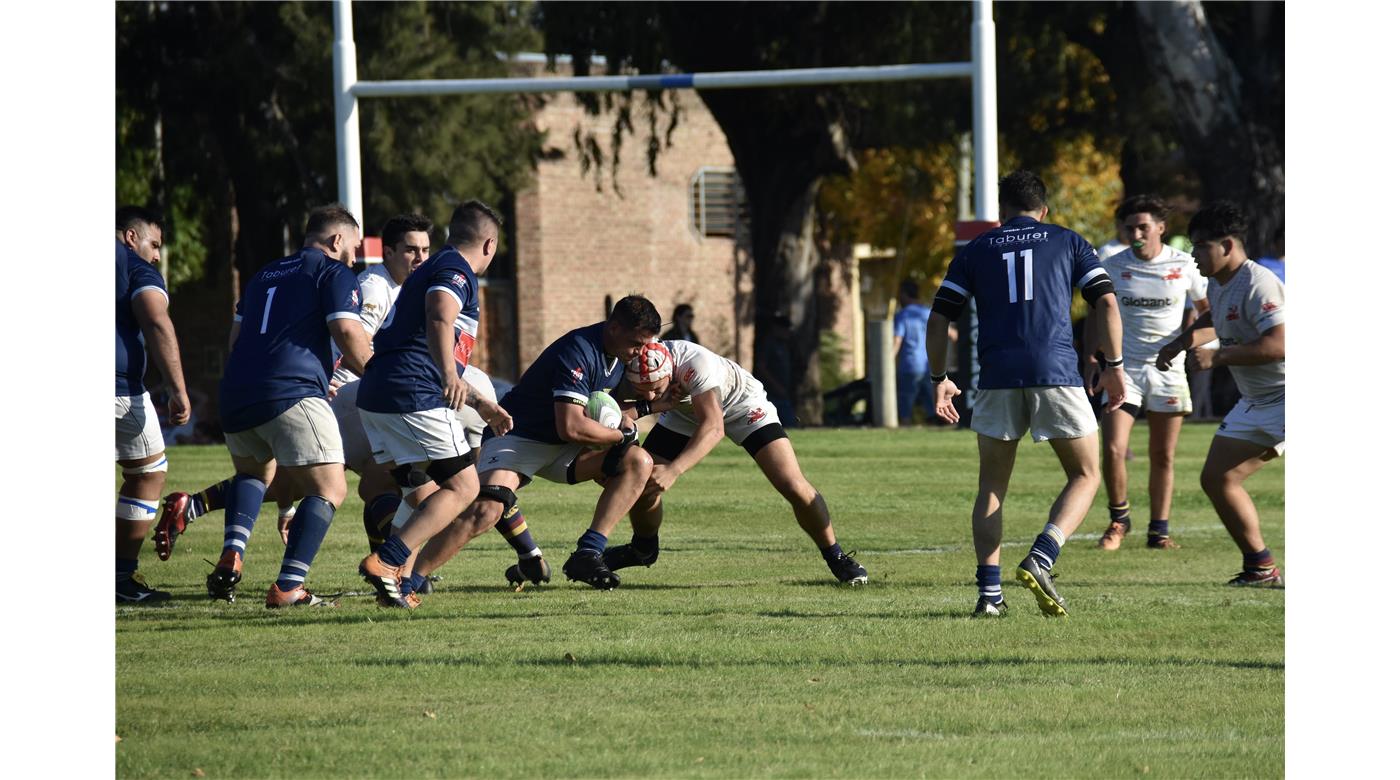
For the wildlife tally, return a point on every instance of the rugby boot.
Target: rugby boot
(222, 582)
(411, 600)
(624, 555)
(296, 597)
(1112, 539)
(174, 516)
(533, 569)
(385, 581)
(1037, 579)
(1258, 578)
(135, 590)
(848, 571)
(1161, 542)
(587, 566)
(988, 608)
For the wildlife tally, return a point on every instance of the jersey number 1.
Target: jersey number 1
(1010, 258)
(267, 309)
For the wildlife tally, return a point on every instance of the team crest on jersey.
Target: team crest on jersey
(459, 280)
(756, 414)
(1233, 313)
(1174, 273)
(1269, 306)
(1127, 275)
(354, 297)
(578, 374)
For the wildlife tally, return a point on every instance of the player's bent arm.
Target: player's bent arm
(349, 335)
(1202, 331)
(573, 425)
(936, 343)
(151, 314)
(441, 319)
(709, 430)
(1267, 349)
(1108, 325)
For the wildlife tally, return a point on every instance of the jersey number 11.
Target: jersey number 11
(1010, 258)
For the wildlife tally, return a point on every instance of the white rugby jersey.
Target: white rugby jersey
(696, 370)
(1251, 303)
(1152, 296)
(378, 291)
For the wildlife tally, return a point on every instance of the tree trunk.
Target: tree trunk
(1222, 121)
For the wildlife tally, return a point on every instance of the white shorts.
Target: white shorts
(754, 412)
(1260, 424)
(138, 429)
(1047, 412)
(467, 416)
(414, 437)
(1157, 391)
(358, 454)
(529, 458)
(303, 435)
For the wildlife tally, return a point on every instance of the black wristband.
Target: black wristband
(937, 378)
(643, 408)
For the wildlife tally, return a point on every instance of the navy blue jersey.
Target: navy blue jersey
(402, 377)
(134, 277)
(1023, 275)
(284, 352)
(570, 369)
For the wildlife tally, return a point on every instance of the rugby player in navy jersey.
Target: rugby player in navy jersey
(412, 389)
(1022, 275)
(554, 438)
(142, 324)
(272, 398)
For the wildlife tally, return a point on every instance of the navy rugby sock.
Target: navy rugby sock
(210, 498)
(989, 581)
(413, 583)
(245, 497)
(394, 552)
(592, 540)
(1047, 546)
(832, 554)
(1262, 560)
(650, 544)
(512, 526)
(1119, 514)
(1157, 528)
(309, 526)
(125, 568)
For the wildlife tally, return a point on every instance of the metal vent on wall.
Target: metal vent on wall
(716, 202)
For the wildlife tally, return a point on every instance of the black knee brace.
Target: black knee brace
(499, 493)
(443, 470)
(409, 477)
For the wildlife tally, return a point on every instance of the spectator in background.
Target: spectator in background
(682, 320)
(773, 367)
(913, 383)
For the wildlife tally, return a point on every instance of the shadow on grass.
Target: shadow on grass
(661, 662)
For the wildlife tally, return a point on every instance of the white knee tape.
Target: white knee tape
(137, 509)
(150, 468)
(401, 515)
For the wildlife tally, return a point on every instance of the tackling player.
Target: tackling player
(553, 437)
(716, 398)
(410, 393)
(1153, 283)
(272, 399)
(1022, 275)
(142, 321)
(1246, 314)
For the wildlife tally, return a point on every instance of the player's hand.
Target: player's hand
(1091, 373)
(455, 392)
(495, 416)
(662, 478)
(1113, 382)
(1202, 359)
(1168, 354)
(284, 526)
(179, 408)
(943, 395)
(336, 384)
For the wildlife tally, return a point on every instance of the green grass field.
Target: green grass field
(736, 654)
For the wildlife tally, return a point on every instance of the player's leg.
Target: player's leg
(1164, 429)
(498, 488)
(381, 496)
(323, 488)
(140, 452)
(664, 444)
(286, 494)
(254, 469)
(179, 509)
(624, 470)
(1228, 464)
(772, 451)
(996, 459)
(1117, 426)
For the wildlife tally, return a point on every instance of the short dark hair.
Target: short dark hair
(636, 313)
(1218, 220)
(397, 227)
(324, 218)
(909, 288)
(470, 221)
(1143, 204)
(681, 311)
(129, 217)
(1020, 191)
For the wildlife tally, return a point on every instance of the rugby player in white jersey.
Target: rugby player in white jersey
(1154, 281)
(703, 398)
(1246, 314)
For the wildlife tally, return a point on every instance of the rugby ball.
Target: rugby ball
(602, 408)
